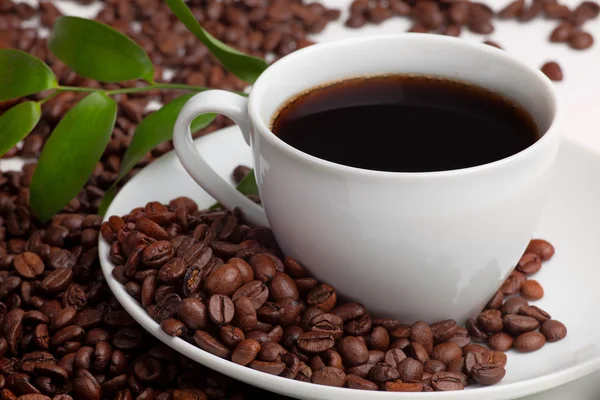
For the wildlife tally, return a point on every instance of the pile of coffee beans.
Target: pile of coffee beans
(207, 277)
(450, 17)
(63, 335)
(509, 321)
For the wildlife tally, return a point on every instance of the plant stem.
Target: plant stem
(47, 99)
(77, 89)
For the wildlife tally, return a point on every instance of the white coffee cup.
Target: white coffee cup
(414, 246)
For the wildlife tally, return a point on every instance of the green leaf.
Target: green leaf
(22, 74)
(245, 67)
(152, 131)
(157, 128)
(97, 51)
(71, 153)
(16, 123)
(246, 186)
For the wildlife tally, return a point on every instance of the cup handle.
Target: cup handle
(235, 107)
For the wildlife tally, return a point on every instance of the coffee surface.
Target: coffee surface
(405, 123)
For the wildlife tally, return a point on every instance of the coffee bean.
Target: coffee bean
(245, 352)
(542, 248)
(553, 330)
(282, 286)
(356, 382)
(530, 263)
(173, 327)
(322, 296)
(224, 281)
(256, 291)
(315, 341)
(517, 324)
(490, 321)
(513, 283)
(447, 381)
(487, 374)
(513, 305)
(273, 368)
(207, 342)
(86, 386)
(220, 309)
(421, 333)
(442, 331)
(561, 34)
(28, 265)
(360, 326)
(532, 290)
(410, 369)
(417, 351)
(500, 341)
(529, 341)
(57, 280)
(535, 312)
(353, 351)
(446, 352)
(382, 372)
(433, 366)
(326, 322)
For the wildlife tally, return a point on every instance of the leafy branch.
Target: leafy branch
(96, 51)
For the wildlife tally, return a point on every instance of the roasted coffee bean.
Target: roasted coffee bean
(246, 316)
(173, 271)
(433, 366)
(532, 290)
(529, 341)
(446, 352)
(231, 336)
(324, 297)
(513, 305)
(360, 326)
(500, 341)
(490, 321)
(353, 351)
(487, 374)
(173, 327)
(448, 381)
(530, 263)
(245, 352)
(535, 312)
(224, 281)
(329, 323)
(562, 33)
(256, 291)
(513, 283)
(442, 331)
(554, 72)
(273, 368)
(410, 369)
(382, 372)
(379, 339)
(207, 342)
(517, 324)
(193, 313)
(417, 351)
(157, 253)
(540, 247)
(57, 280)
(356, 382)
(315, 342)
(220, 309)
(271, 351)
(28, 265)
(421, 333)
(553, 330)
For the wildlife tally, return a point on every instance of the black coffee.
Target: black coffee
(405, 123)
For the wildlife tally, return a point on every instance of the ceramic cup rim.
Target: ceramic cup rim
(262, 127)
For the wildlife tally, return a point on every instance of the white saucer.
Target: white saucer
(570, 279)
